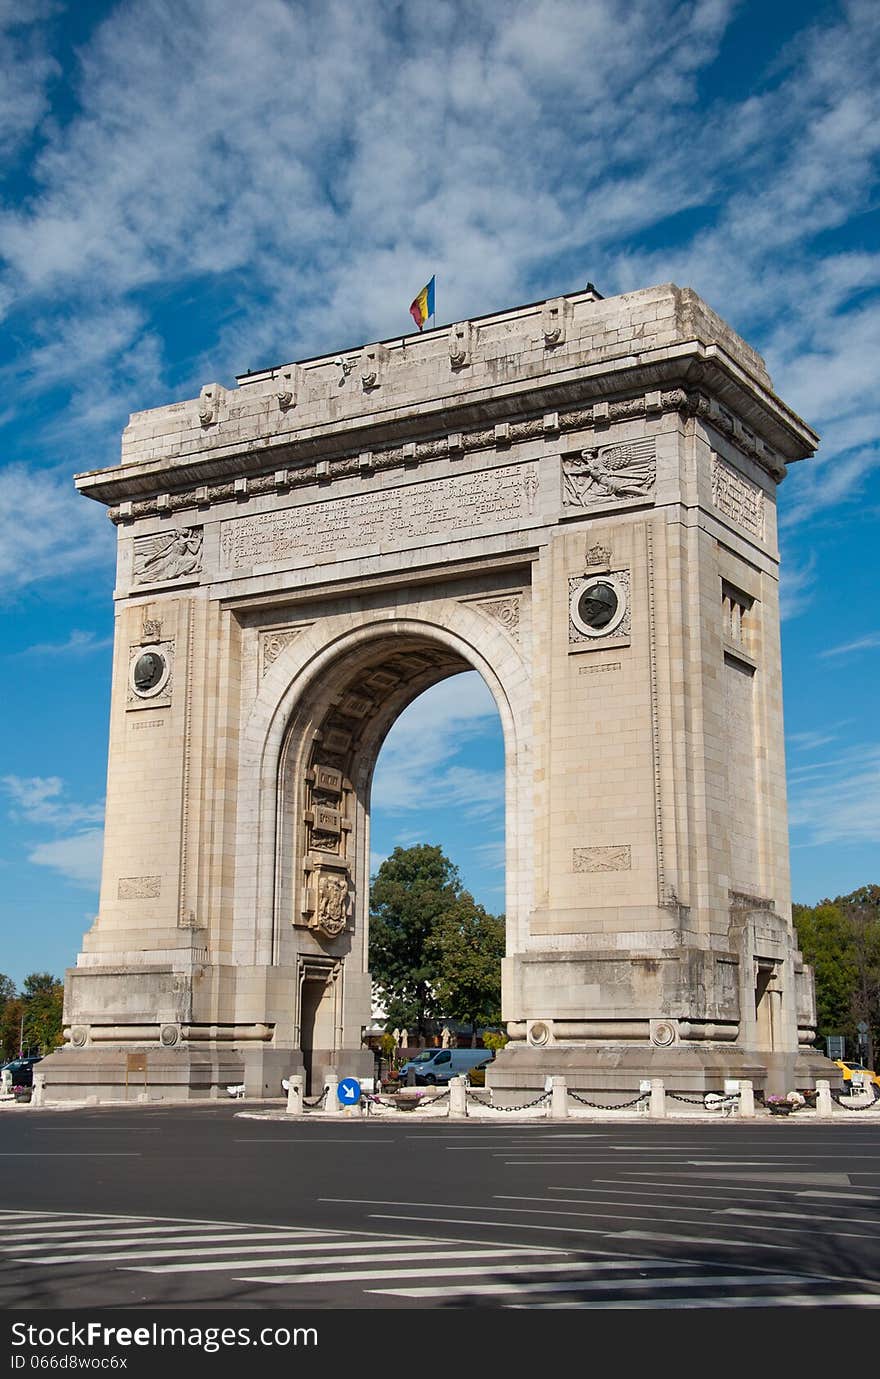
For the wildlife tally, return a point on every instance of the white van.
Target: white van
(434, 1066)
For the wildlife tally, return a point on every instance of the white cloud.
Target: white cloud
(796, 583)
(47, 530)
(27, 70)
(77, 858)
(417, 762)
(867, 643)
(838, 801)
(299, 163)
(490, 855)
(39, 800)
(324, 157)
(77, 644)
(810, 740)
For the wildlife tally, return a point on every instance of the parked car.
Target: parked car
(848, 1068)
(435, 1066)
(22, 1069)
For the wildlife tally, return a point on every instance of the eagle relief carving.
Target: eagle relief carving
(621, 471)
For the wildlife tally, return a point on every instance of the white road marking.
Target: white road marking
(696, 1187)
(700, 1240)
(361, 1275)
(375, 1255)
(91, 1249)
(595, 1285)
(774, 1300)
(24, 1231)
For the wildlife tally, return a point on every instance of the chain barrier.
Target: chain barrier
(490, 1106)
(373, 1102)
(316, 1101)
(431, 1101)
(600, 1106)
(868, 1106)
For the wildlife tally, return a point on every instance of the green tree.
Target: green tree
(412, 889)
(824, 939)
(840, 938)
(11, 1014)
(43, 997)
(469, 945)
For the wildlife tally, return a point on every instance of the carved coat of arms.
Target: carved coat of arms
(332, 905)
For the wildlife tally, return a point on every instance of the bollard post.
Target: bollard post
(39, 1089)
(824, 1104)
(295, 1094)
(747, 1098)
(457, 1098)
(657, 1110)
(558, 1099)
(331, 1101)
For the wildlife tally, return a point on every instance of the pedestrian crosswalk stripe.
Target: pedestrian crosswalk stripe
(545, 1266)
(290, 1249)
(88, 1248)
(375, 1254)
(596, 1285)
(773, 1300)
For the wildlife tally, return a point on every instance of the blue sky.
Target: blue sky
(195, 188)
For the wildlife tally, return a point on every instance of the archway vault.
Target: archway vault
(312, 740)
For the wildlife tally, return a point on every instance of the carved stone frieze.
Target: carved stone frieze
(504, 611)
(167, 556)
(459, 443)
(737, 497)
(139, 887)
(610, 473)
(455, 503)
(609, 858)
(273, 642)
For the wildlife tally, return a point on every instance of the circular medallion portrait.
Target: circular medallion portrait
(149, 672)
(598, 606)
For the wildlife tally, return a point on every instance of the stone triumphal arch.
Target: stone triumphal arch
(575, 498)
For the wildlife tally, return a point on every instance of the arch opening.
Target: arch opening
(327, 763)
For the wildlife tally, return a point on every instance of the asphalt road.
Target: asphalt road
(199, 1207)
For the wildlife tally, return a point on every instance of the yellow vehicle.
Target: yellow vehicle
(848, 1069)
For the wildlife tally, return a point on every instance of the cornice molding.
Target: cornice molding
(453, 446)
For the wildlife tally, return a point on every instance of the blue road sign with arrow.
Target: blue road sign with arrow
(349, 1091)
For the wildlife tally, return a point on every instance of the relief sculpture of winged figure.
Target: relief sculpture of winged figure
(626, 470)
(167, 556)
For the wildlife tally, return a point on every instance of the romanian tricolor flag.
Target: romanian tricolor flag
(423, 306)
